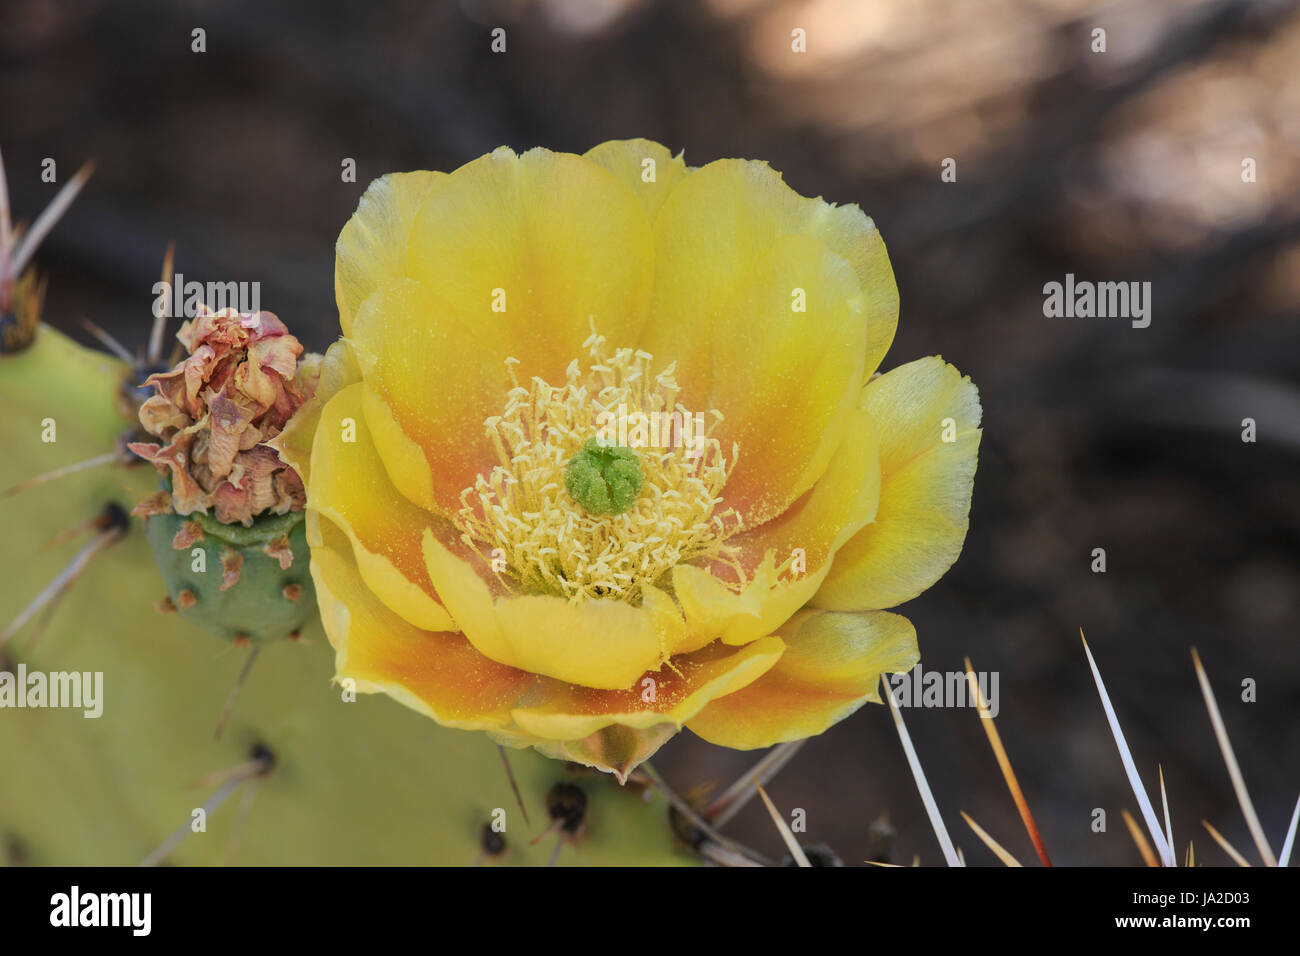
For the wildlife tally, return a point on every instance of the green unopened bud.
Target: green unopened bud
(604, 479)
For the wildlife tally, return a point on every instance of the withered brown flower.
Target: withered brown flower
(243, 378)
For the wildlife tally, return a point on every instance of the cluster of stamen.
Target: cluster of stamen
(521, 518)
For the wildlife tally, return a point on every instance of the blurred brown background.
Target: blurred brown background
(1118, 166)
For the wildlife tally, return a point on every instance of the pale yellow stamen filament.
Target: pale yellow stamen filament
(551, 545)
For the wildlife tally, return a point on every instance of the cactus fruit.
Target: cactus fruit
(353, 782)
(229, 504)
(264, 590)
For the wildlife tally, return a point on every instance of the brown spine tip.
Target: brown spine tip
(241, 640)
(165, 606)
(292, 592)
(232, 564)
(297, 637)
(191, 533)
(186, 599)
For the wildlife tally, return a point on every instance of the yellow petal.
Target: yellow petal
(605, 644)
(843, 501)
(925, 493)
(851, 234)
(831, 667)
(438, 674)
(647, 168)
(564, 240)
(338, 370)
(615, 749)
(428, 417)
(351, 488)
(372, 247)
(767, 324)
(673, 694)
(713, 610)
(406, 462)
(803, 540)
(510, 257)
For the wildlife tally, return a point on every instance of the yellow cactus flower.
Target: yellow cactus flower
(602, 454)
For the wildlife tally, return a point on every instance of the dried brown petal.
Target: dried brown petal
(237, 388)
(160, 416)
(230, 419)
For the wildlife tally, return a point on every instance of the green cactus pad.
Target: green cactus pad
(266, 604)
(368, 782)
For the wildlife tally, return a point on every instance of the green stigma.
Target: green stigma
(604, 479)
